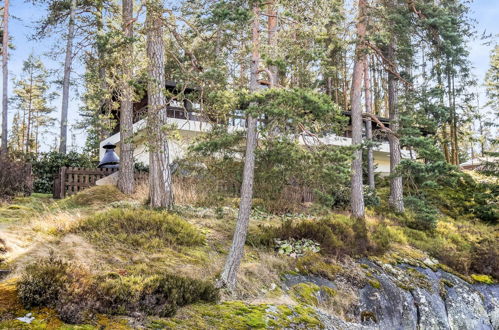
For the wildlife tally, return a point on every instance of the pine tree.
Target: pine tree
(5, 76)
(229, 274)
(492, 81)
(357, 192)
(31, 100)
(160, 176)
(126, 175)
(66, 79)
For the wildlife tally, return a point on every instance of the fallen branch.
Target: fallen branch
(380, 124)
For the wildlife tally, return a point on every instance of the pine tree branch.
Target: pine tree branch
(380, 124)
(388, 65)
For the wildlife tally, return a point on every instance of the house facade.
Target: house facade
(190, 124)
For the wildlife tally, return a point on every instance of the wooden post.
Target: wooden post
(62, 177)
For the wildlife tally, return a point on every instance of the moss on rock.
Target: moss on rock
(306, 293)
(240, 315)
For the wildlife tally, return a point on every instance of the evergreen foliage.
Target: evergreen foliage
(32, 98)
(47, 164)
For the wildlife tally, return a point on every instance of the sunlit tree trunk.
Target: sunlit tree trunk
(229, 275)
(357, 195)
(125, 177)
(66, 80)
(5, 76)
(396, 199)
(369, 130)
(160, 177)
(272, 35)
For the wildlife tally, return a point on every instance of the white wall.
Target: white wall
(189, 130)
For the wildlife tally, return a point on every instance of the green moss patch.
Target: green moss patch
(140, 228)
(240, 315)
(315, 264)
(375, 284)
(306, 293)
(482, 279)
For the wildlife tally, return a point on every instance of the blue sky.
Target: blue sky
(485, 12)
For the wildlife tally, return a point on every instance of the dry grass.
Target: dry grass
(56, 223)
(94, 196)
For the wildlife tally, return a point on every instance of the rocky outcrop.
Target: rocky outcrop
(412, 297)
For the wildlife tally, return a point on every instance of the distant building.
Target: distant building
(191, 123)
(478, 163)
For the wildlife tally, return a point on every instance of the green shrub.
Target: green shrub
(296, 248)
(425, 216)
(337, 235)
(381, 238)
(77, 295)
(140, 228)
(485, 257)
(371, 197)
(42, 282)
(45, 165)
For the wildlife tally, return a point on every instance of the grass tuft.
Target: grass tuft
(94, 196)
(140, 228)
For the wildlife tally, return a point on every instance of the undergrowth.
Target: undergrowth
(139, 228)
(337, 235)
(94, 196)
(78, 295)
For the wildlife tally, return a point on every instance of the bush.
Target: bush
(140, 228)
(424, 216)
(485, 258)
(42, 282)
(45, 165)
(158, 295)
(77, 295)
(336, 236)
(371, 197)
(381, 238)
(15, 178)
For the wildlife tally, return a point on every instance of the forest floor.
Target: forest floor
(115, 235)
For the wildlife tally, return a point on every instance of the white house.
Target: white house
(191, 124)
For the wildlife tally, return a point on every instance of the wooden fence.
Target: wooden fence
(71, 180)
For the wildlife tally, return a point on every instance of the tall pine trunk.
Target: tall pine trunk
(369, 126)
(66, 80)
(272, 35)
(30, 111)
(396, 199)
(125, 176)
(5, 77)
(357, 194)
(229, 275)
(160, 177)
